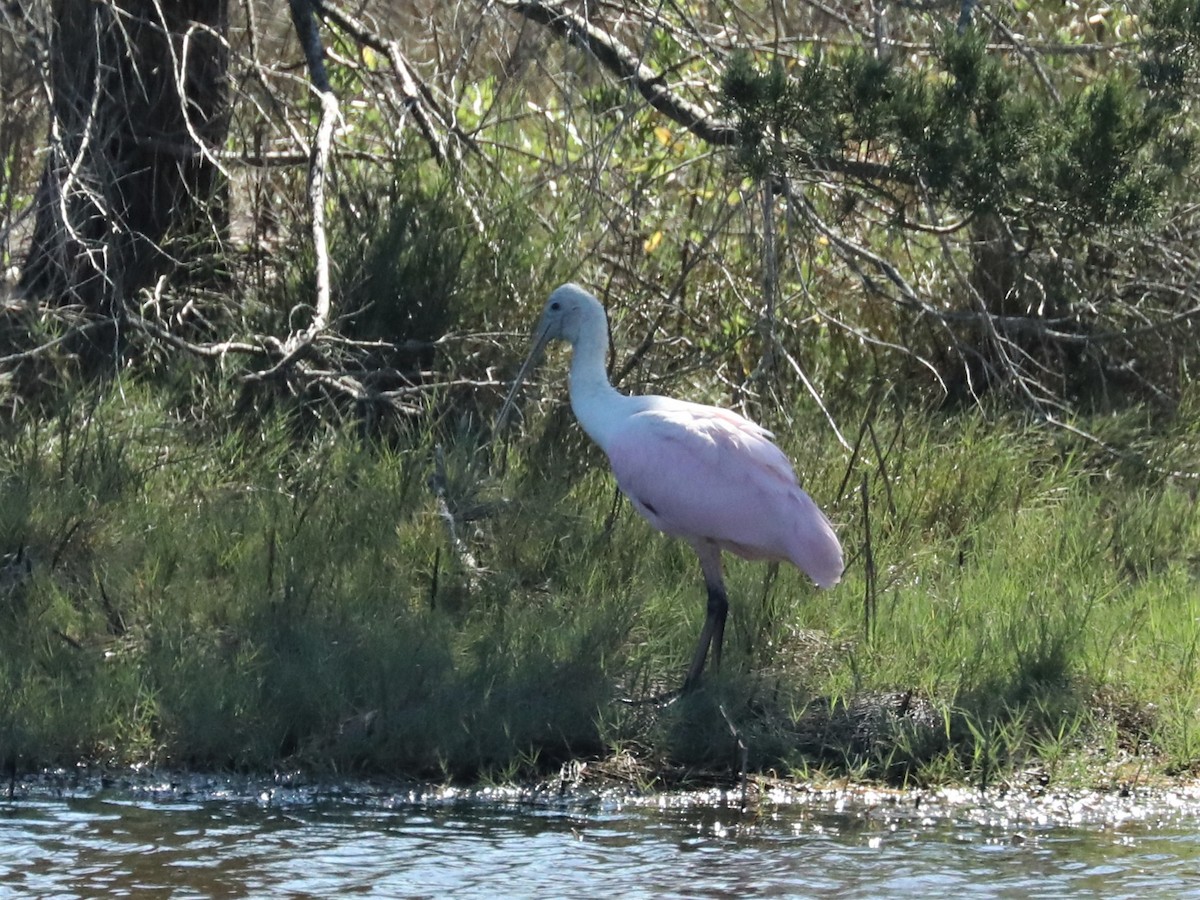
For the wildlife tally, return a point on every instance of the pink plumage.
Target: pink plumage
(701, 473)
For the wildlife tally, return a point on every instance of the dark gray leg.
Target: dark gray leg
(713, 633)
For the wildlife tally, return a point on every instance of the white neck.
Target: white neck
(594, 401)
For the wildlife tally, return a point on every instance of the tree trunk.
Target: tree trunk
(137, 90)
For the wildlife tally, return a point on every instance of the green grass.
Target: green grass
(256, 599)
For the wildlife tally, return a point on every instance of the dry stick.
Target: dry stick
(58, 152)
(840, 16)
(1026, 52)
(282, 159)
(210, 349)
(340, 382)
(980, 319)
(305, 23)
(869, 597)
(49, 345)
(817, 398)
(772, 345)
(179, 65)
(316, 190)
(628, 66)
(850, 251)
(625, 64)
(867, 338)
(418, 98)
(304, 18)
(770, 283)
(965, 16)
(994, 327)
(1117, 452)
(850, 248)
(743, 754)
(991, 332)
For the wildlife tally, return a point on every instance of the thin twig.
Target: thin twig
(418, 98)
(869, 587)
(1024, 49)
(49, 345)
(211, 350)
(627, 66)
(808, 386)
(743, 755)
(770, 285)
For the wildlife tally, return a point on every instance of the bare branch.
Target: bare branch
(304, 18)
(623, 63)
(211, 350)
(305, 22)
(70, 335)
(418, 98)
(1025, 50)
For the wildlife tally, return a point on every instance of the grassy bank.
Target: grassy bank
(249, 598)
(249, 514)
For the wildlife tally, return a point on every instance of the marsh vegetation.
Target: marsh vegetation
(253, 509)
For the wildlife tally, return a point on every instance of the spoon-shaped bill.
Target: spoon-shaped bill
(540, 338)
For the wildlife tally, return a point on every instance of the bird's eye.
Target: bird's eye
(556, 305)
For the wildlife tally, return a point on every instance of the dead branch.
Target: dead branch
(305, 22)
(214, 350)
(47, 346)
(1025, 51)
(652, 85)
(625, 64)
(418, 99)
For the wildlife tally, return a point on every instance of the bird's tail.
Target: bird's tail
(817, 549)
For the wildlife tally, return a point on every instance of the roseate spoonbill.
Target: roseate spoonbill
(701, 473)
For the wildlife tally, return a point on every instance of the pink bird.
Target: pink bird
(701, 473)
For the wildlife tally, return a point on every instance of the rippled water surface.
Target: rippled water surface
(215, 842)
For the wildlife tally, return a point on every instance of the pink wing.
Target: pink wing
(703, 473)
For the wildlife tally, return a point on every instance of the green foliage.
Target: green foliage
(224, 577)
(1104, 166)
(1171, 52)
(965, 129)
(409, 250)
(248, 600)
(1042, 191)
(243, 603)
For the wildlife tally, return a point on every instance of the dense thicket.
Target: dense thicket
(994, 196)
(1057, 188)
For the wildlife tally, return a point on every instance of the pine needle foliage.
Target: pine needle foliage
(1045, 191)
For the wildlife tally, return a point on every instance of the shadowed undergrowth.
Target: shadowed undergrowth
(252, 600)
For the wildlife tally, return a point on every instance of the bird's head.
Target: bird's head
(569, 313)
(564, 315)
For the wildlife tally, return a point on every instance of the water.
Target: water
(221, 840)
